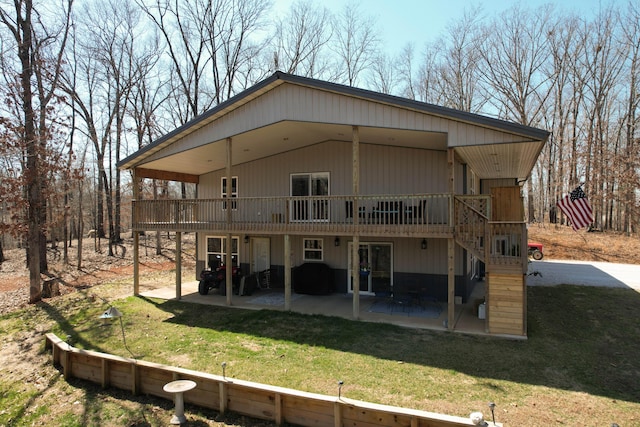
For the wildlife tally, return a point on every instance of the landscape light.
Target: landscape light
(492, 406)
(113, 313)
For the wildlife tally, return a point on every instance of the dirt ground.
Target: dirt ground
(560, 242)
(20, 359)
(97, 267)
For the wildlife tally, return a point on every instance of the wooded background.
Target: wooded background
(86, 83)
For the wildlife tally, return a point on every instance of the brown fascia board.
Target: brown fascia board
(436, 110)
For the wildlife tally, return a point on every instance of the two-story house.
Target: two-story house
(394, 195)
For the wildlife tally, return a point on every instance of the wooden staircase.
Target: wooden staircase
(471, 221)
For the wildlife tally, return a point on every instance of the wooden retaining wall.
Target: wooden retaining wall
(223, 394)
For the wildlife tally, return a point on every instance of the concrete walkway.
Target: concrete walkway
(585, 273)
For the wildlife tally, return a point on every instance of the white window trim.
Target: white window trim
(306, 249)
(223, 238)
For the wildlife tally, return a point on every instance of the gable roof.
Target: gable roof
(512, 141)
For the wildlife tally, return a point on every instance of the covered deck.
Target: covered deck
(397, 215)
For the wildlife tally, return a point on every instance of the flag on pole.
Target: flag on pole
(576, 206)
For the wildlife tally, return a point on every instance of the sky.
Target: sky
(419, 21)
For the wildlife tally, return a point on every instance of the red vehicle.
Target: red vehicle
(212, 279)
(535, 250)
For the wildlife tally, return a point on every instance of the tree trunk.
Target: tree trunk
(32, 172)
(100, 233)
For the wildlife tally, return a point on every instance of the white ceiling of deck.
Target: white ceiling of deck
(510, 160)
(286, 136)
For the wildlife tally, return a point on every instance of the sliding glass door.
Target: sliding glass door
(312, 186)
(375, 265)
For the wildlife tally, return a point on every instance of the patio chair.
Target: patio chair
(348, 207)
(416, 212)
(402, 300)
(264, 279)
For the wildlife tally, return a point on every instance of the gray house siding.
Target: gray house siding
(383, 170)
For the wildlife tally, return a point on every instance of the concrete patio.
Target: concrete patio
(341, 305)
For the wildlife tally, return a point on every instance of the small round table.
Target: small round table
(177, 388)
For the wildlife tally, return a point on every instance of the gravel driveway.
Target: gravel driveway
(584, 273)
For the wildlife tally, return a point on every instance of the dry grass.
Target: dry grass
(561, 242)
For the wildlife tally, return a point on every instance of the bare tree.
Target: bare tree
(564, 47)
(513, 51)
(100, 96)
(629, 178)
(383, 74)
(458, 73)
(39, 50)
(427, 87)
(210, 47)
(300, 39)
(405, 70)
(603, 64)
(356, 43)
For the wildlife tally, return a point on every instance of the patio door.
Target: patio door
(311, 186)
(376, 267)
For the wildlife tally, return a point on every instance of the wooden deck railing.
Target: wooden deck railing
(426, 214)
(473, 229)
(509, 245)
(471, 222)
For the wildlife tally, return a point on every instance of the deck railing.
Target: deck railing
(425, 215)
(428, 213)
(473, 229)
(471, 221)
(509, 244)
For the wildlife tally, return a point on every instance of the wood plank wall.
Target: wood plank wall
(255, 400)
(507, 304)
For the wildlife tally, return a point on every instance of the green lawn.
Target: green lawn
(580, 365)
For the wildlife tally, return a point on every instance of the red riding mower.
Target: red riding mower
(535, 250)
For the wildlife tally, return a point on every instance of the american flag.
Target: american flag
(576, 206)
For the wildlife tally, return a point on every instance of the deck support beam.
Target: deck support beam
(451, 245)
(136, 238)
(355, 264)
(229, 249)
(287, 272)
(178, 265)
